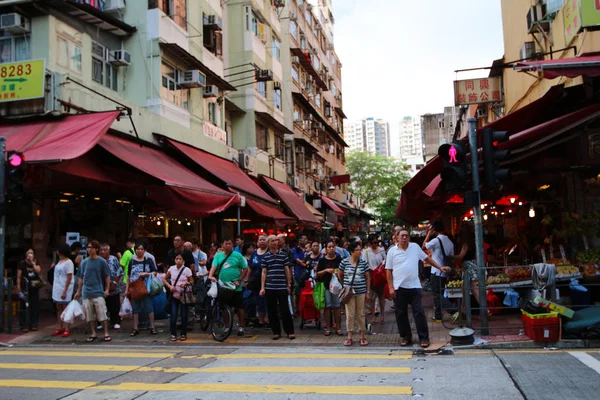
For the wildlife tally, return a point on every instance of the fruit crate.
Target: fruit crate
(541, 327)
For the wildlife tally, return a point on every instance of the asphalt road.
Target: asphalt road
(144, 373)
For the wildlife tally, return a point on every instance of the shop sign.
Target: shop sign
(571, 19)
(22, 80)
(214, 132)
(590, 13)
(477, 91)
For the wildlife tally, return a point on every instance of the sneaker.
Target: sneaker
(241, 331)
(455, 317)
(434, 319)
(117, 326)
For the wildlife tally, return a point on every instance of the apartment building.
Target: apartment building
(438, 129)
(411, 139)
(369, 134)
(354, 133)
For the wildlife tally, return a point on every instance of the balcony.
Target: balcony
(305, 58)
(160, 26)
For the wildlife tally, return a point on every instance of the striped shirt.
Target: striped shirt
(275, 265)
(360, 282)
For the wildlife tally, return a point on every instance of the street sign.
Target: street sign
(477, 91)
(22, 80)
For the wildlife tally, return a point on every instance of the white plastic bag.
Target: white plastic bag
(335, 286)
(126, 308)
(290, 305)
(73, 311)
(213, 291)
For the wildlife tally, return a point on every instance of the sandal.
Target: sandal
(107, 338)
(183, 338)
(348, 342)
(134, 332)
(276, 337)
(340, 332)
(91, 339)
(364, 342)
(66, 333)
(173, 338)
(153, 331)
(405, 342)
(327, 332)
(291, 337)
(424, 344)
(58, 332)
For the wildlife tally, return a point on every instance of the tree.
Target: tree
(377, 180)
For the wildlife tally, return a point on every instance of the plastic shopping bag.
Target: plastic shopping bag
(126, 308)
(335, 286)
(213, 291)
(574, 285)
(290, 305)
(319, 295)
(73, 311)
(154, 285)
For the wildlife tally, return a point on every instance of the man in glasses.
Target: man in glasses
(402, 268)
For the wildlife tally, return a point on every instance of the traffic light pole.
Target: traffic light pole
(483, 308)
(2, 223)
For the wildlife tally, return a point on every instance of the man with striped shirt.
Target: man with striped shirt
(276, 285)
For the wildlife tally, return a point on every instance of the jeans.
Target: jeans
(404, 297)
(176, 305)
(277, 305)
(439, 301)
(113, 304)
(34, 310)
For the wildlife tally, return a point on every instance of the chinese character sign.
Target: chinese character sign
(572, 19)
(590, 13)
(476, 91)
(22, 80)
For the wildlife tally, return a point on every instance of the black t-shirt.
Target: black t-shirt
(324, 264)
(27, 272)
(188, 260)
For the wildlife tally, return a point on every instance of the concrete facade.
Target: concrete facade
(411, 139)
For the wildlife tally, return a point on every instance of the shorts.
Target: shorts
(95, 309)
(377, 291)
(235, 301)
(470, 267)
(331, 300)
(142, 305)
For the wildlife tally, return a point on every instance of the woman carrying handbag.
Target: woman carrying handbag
(178, 277)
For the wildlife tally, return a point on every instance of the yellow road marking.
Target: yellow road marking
(308, 356)
(24, 383)
(59, 353)
(183, 370)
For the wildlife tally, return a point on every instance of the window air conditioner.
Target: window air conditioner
(213, 22)
(481, 112)
(211, 91)
(535, 19)
(114, 6)
(120, 58)
(300, 150)
(246, 162)
(264, 75)
(295, 60)
(192, 79)
(14, 22)
(276, 85)
(528, 51)
(293, 16)
(279, 3)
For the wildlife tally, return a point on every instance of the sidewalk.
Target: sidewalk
(504, 328)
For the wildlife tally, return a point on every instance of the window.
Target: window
(316, 62)
(212, 39)
(262, 88)
(294, 29)
(276, 48)
(258, 27)
(308, 16)
(69, 54)
(441, 123)
(102, 71)
(262, 138)
(279, 146)
(318, 99)
(14, 48)
(171, 90)
(297, 114)
(277, 98)
(295, 74)
(213, 113)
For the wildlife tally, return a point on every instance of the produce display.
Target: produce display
(566, 270)
(455, 284)
(589, 256)
(591, 270)
(498, 279)
(518, 274)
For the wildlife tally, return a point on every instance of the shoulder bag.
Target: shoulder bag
(137, 288)
(347, 291)
(448, 260)
(170, 297)
(224, 292)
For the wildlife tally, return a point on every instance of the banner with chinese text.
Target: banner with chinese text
(22, 80)
(476, 91)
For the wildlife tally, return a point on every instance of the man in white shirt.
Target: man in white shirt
(442, 249)
(402, 268)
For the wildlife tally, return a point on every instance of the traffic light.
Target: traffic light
(454, 174)
(494, 176)
(15, 172)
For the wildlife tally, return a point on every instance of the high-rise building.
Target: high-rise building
(438, 129)
(411, 139)
(370, 134)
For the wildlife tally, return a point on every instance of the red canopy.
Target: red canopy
(271, 212)
(223, 169)
(58, 139)
(333, 206)
(569, 67)
(184, 190)
(292, 202)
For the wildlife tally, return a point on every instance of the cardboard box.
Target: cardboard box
(562, 310)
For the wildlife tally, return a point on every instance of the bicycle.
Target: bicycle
(218, 316)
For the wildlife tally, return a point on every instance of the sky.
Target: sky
(399, 56)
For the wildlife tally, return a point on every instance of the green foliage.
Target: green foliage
(378, 181)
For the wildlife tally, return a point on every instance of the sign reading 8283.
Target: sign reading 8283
(22, 80)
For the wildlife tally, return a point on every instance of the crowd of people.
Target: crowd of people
(265, 279)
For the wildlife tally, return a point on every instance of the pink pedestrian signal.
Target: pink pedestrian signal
(452, 155)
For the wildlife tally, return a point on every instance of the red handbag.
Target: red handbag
(378, 277)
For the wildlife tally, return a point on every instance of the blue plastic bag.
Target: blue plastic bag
(158, 304)
(511, 299)
(574, 285)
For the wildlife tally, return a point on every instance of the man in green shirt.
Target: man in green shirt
(127, 254)
(230, 266)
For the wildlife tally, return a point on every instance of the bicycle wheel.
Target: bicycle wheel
(205, 315)
(221, 323)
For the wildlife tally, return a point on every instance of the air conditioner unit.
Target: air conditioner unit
(481, 113)
(309, 6)
(528, 51)
(319, 28)
(192, 79)
(247, 162)
(279, 3)
(331, 46)
(535, 19)
(211, 91)
(114, 6)
(276, 85)
(317, 125)
(314, 51)
(300, 150)
(315, 171)
(293, 16)
(295, 60)
(14, 22)
(264, 75)
(213, 22)
(120, 58)
(338, 97)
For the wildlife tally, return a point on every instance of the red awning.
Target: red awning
(225, 170)
(184, 190)
(333, 206)
(569, 67)
(292, 202)
(271, 212)
(58, 139)
(423, 193)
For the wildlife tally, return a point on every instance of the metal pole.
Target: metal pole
(467, 299)
(2, 224)
(239, 222)
(483, 309)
